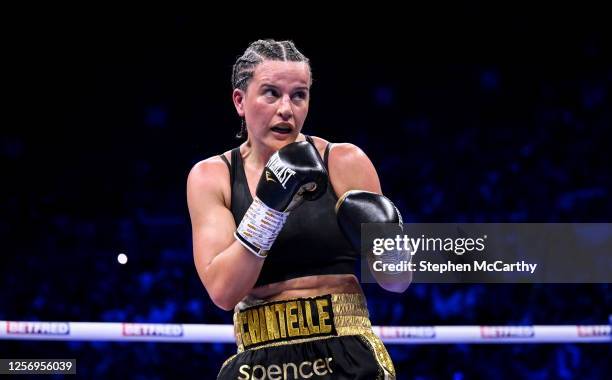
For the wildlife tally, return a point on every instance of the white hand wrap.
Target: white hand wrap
(259, 228)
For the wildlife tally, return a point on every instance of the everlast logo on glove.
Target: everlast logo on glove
(282, 172)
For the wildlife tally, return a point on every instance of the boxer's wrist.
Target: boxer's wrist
(259, 228)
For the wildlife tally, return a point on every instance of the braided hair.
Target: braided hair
(256, 53)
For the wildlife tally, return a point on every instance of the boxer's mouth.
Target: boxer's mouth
(284, 128)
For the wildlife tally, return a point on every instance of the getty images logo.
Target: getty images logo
(280, 170)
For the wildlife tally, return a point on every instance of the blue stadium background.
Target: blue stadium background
(105, 116)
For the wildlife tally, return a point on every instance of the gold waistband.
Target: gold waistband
(300, 319)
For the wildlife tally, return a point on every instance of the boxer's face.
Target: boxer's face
(275, 103)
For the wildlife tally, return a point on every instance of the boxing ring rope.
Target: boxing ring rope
(215, 333)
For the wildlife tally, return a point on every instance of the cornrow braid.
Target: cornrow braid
(256, 53)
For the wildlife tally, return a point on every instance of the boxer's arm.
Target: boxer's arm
(351, 169)
(227, 269)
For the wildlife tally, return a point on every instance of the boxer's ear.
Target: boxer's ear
(238, 99)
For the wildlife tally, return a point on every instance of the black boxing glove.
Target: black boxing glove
(356, 207)
(292, 175)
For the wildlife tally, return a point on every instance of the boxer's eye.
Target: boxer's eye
(300, 95)
(270, 92)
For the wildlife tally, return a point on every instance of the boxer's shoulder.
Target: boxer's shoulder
(210, 169)
(210, 175)
(345, 156)
(320, 144)
(350, 168)
(345, 152)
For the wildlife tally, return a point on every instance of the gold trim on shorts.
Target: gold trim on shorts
(299, 320)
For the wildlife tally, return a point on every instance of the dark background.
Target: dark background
(474, 120)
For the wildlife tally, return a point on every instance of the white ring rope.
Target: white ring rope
(211, 333)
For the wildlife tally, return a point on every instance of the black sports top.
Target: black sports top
(310, 243)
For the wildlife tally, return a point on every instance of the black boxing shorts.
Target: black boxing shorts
(325, 337)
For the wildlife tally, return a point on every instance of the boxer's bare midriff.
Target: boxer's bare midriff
(309, 286)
